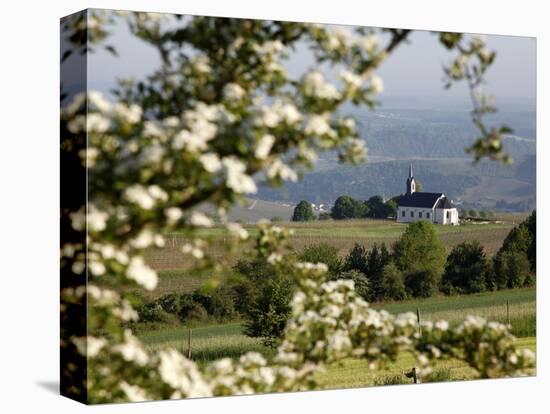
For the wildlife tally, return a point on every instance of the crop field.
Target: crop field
(517, 304)
(341, 234)
(356, 373)
(213, 341)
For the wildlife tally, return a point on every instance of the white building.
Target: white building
(415, 206)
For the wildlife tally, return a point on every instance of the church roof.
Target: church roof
(444, 203)
(419, 199)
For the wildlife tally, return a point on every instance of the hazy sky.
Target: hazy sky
(415, 69)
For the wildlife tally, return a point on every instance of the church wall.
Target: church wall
(427, 214)
(446, 215)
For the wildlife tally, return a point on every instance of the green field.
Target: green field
(172, 264)
(356, 373)
(211, 342)
(490, 305)
(341, 234)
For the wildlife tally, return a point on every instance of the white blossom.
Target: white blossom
(237, 230)
(130, 114)
(141, 273)
(143, 240)
(182, 374)
(199, 219)
(233, 92)
(201, 64)
(78, 267)
(236, 178)
(369, 43)
(131, 349)
(133, 392)
(271, 47)
(211, 162)
(315, 84)
(145, 197)
(264, 146)
(173, 214)
(140, 196)
(97, 219)
(317, 125)
(94, 345)
(278, 169)
(352, 80)
(97, 268)
(376, 84)
(153, 154)
(78, 219)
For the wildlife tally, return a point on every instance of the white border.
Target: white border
(29, 162)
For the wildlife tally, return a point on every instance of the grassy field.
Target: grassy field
(356, 373)
(215, 341)
(490, 305)
(341, 234)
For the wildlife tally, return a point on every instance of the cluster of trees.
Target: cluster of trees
(473, 213)
(202, 304)
(346, 207)
(417, 265)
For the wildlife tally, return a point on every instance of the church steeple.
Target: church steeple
(411, 183)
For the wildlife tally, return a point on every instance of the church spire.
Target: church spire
(411, 183)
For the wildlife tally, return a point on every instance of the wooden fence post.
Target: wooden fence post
(508, 311)
(418, 319)
(189, 344)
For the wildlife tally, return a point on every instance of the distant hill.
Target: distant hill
(256, 209)
(432, 135)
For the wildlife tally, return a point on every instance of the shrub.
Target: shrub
(264, 301)
(523, 238)
(276, 219)
(346, 207)
(356, 259)
(324, 216)
(303, 212)
(152, 313)
(512, 270)
(360, 282)
(268, 311)
(170, 303)
(323, 253)
(377, 208)
(218, 303)
(393, 284)
(377, 259)
(196, 313)
(421, 256)
(466, 270)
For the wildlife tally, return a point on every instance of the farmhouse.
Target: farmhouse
(415, 206)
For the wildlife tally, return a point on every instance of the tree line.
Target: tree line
(346, 207)
(416, 265)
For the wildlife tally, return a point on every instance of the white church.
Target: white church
(416, 206)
